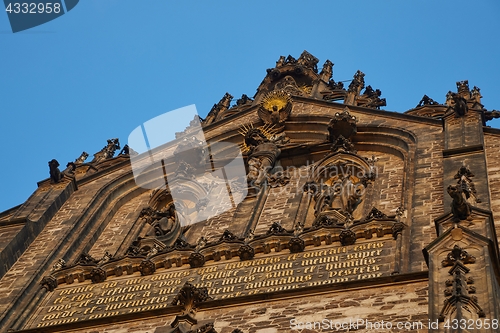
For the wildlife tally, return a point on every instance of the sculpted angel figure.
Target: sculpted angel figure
(263, 155)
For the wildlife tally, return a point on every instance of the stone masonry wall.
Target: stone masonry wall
(29, 267)
(405, 304)
(492, 147)
(117, 229)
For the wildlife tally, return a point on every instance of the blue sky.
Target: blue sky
(104, 68)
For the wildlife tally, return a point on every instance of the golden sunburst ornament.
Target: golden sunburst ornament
(267, 130)
(276, 100)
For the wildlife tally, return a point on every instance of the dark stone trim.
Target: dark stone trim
(462, 150)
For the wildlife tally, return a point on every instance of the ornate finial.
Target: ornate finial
(463, 88)
(276, 228)
(249, 236)
(307, 60)
(107, 152)
(458, 255)
(59, 264)
(244, 100)
(476, 94)
(280, 62)
(218, 108)
(371, 98)
(426, 100)
(82, 158)
(227, 236)
(355, 87)
(190, 296)
(327, 71)
(201, 243)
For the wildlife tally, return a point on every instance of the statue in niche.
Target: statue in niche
(263, 155)
(343, 195)
(466, 184)
(166, 220)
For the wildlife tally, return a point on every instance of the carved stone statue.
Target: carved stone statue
(460, 208)
(165, 220)
(343, 195)
(460, 106)
(55, 173)
(263, 155)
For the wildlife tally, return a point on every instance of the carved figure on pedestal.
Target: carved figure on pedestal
(460, 208)
(262, 154)
(460, 106)
(166, 220)
(343, 195)
(55, 173)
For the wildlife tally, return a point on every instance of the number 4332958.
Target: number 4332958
(33, 8)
